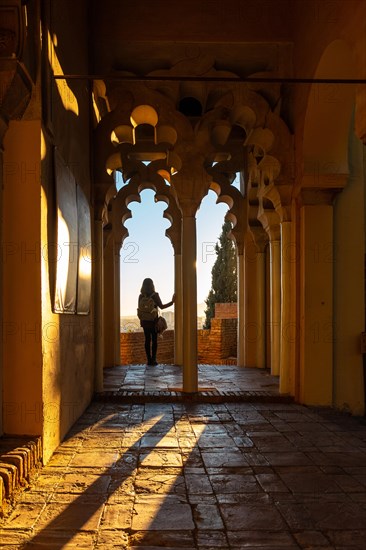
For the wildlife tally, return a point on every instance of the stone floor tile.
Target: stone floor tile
(226, 459)
(151, 481)
(296, 515)
(202, 499)
(337, 515)
(69, 540)
(166, 513)
(310, 483)
(113, 538)
(61, 459)
(211, 539)
(198, 484)
(234, 483)
(165, 539)
(348, 537)
(92, 459)
(349, 484)
(207, 517)
(12, 538)
(159, 459)
(253, 538)
(309, 539)
(149, 547)
(117, 516)
(126, 463)
(271, 483)
(75, 482)
(76, 516)
(122, 484)
(24, 516)
(287, 458)
(249, 516)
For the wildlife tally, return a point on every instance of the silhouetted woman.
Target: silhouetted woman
(148, 304)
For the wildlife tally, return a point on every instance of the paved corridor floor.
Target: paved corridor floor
(165, 378)
(199, 476)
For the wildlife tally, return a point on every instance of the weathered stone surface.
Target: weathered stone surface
(207, 517)
(248, 516)
(175, 496)
(161, 513)
(77, 515)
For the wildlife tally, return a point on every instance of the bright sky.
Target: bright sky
(147, 252)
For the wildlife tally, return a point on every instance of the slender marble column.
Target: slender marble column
(287, 326)
(261, 309)
(275, 289)
(178, 311)
(117, 305)
(98, 306)
(189, 284)
(241, 311)
(109, 302)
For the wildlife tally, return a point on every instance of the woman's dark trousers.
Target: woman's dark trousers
(151, 337)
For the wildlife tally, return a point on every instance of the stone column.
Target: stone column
(250, 301)
(117, 304)
(109, 301)
(178, 311)
(189, 285)
(288, 327)
(98, 306)
(275, 290)
(261, 309)
(241, 309)
(261, 240)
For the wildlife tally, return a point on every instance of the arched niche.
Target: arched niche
(328, 115)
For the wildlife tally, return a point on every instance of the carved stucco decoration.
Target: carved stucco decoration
(237, 131)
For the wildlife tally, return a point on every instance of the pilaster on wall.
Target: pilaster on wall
(316, 274)
(21, 301)
(316, 304)
(111, 302)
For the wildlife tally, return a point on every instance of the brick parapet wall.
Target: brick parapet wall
(133, 349)
(214, 346)
(226, 311)
(219, 343)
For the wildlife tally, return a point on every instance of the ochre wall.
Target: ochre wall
(349, 297)
(68, 349)
(22, 330)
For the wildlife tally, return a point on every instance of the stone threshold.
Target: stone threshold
(213, 396)
(20, 457)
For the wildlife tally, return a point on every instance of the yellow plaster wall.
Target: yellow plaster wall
(349, 296)
(316, 305)
(68, 346)
(22, 350)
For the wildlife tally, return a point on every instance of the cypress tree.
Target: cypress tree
(224, 274)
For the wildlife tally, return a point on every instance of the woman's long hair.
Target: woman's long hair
(147, 287)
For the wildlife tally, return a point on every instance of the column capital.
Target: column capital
(316, 189)
(260, 236)
(270, 221)
(189, 207)
(191, 183)
(280, 196)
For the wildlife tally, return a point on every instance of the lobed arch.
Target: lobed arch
(145, 179)
(329, 112)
